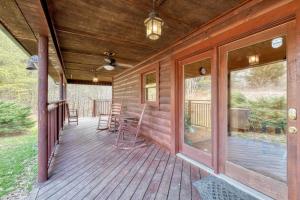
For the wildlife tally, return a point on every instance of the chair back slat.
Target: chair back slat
(141, 118)
(116, 108)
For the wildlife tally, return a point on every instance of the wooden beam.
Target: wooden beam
(53, 34)
(43, 109)
(85, 82)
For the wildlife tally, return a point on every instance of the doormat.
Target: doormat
(213, 188)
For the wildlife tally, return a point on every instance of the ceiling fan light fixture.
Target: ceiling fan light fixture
(109, 67)
(95, 79)
(153, 25)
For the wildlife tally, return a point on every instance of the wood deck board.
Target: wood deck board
(142, 188)
(93, 170)
(127, 194)
(104, 194)
(87, 166)
(127, 180)
(174, 191)
(156, 180)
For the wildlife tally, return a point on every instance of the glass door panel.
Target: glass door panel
(197, 133)
(197, 94)
(257, 108)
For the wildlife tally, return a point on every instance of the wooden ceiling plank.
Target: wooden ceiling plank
(100, 56)
(88, 28)
(101, 38)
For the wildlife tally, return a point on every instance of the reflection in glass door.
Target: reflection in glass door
(257, 108)
(197, 108)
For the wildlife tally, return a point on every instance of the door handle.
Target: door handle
(293, 130)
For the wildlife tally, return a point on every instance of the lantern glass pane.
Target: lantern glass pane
(155, 26)
(159, 27)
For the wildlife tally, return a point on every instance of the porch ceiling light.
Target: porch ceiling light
(277, 42)
(253, 60)
(153, 25)
(95, 79)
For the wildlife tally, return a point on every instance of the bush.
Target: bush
(264, 112)
(14, 118)
(238, 100)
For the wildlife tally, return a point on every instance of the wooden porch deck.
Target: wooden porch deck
(88, 166)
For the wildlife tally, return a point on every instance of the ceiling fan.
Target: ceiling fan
(110, 63)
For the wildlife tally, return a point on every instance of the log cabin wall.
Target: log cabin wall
(160, 124)
(156, 121)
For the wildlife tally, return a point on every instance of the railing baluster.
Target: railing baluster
(56, 119)
(199, 112)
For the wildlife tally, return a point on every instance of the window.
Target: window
(150, 85)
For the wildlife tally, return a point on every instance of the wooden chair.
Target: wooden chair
(72, 114)
(128, 133)
(110, 121)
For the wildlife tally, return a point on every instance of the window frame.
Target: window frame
(153, 68)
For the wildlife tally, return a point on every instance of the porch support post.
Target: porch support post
(61, 87)
(65, 91)
(43, 109)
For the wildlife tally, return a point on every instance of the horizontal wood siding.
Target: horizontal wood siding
(156, 122)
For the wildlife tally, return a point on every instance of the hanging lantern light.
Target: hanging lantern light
(253, 60)
(153, 25)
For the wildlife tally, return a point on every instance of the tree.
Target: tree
(271, 74)
(14, 118)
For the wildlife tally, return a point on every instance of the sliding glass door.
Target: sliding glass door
(256, 137)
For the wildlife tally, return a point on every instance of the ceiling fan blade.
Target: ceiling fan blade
(124, 65)
(99, 68)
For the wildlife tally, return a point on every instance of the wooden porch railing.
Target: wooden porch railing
(199, 112)
(56, 119)
(100, 107)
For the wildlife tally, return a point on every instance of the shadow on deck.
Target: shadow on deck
(87, 166)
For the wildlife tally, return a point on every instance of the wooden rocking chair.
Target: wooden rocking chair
(72, 114)
(110, 121)
(128, 133)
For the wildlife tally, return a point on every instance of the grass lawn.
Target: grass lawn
(18, 166)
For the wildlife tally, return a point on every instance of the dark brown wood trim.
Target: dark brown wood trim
(174, 143)
(296, 186)
(215, 109)
(53, 34)
(277, 189)
(14, 38)
(86, 82)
